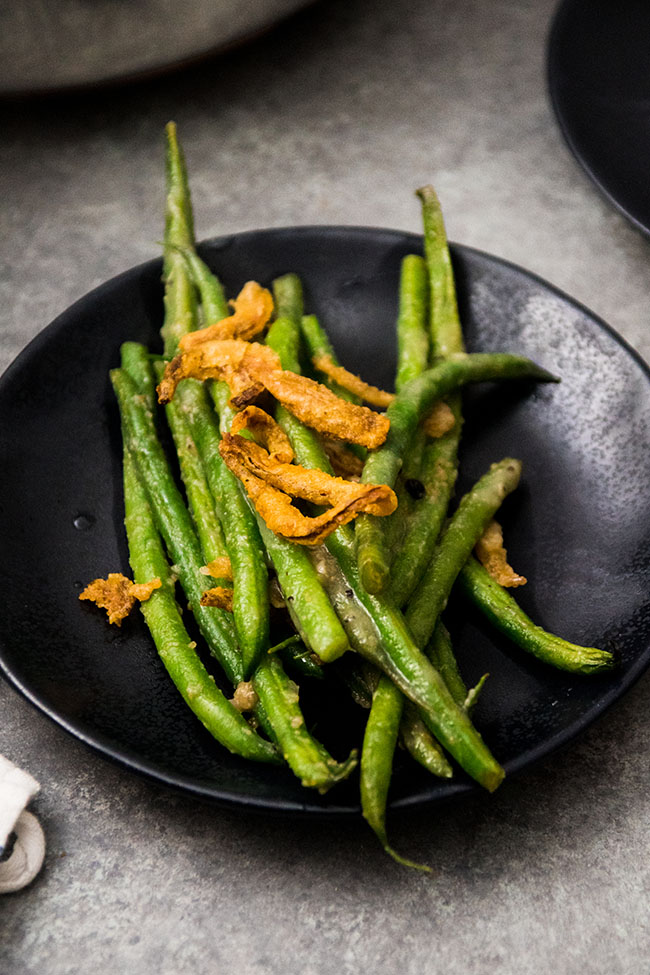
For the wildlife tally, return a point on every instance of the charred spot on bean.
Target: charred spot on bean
(415, 488)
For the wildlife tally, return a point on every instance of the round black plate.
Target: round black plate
(578, 526)
(599, 79)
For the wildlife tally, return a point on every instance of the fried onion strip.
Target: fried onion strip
(231, 360)
(492, 555)
(269, 485)
(344, 462)
(248, 364)
(266, 431)
(319, 408)
(439, 421)
(252, 310)
(353, 383)
(118, 595)
(310, 484)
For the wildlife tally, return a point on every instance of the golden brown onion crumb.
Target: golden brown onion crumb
(491, 553)
(118, 595)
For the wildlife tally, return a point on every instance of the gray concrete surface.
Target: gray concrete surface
(333, 117)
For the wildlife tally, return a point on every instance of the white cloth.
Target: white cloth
(17, 789)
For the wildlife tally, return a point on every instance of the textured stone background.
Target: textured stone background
(333, 117)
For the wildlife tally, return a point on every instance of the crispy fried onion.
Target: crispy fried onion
(249, 367)
(220, 568)
(266, 431)
(252, 310)
(118, 595)
(491, 553)
(354, 384)
(344, 462)
(219, 596)
(320, 408)
(232, 360)
(271, 486)
(439, 421)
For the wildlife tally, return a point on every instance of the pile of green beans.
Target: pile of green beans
(375, 592)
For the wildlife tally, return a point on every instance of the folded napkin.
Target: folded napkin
(17, 789)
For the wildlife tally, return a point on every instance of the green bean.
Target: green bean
(280, 717)
(250, 579)
(284, 334)
(305, 598)
(174, 522)
(395, 524)
(446, 333)
(287, 296)
(318, 344)
(197, 489)
(378, 631)
(412, 403)
(180, 300)
(299, 658)
(474, 693)
(412, 339)
(504, 612)
(279, 710)
(412, 360)
(284, 338)
(307, 601)
(437, 475)
(379, 743)
(439, 460)
(468, 523)
(214, 306)
(192, 408)
(172, 640)
(405, 412)
(421, 745)
(136, 362)
(441, 654)
(179, 221)
(245, 548)
(308, 759)
(317, 340)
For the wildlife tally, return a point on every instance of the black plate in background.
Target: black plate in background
(599, 80)
(578, 526)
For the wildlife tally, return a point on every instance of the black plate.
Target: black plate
(599, 79)
(578, 526)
